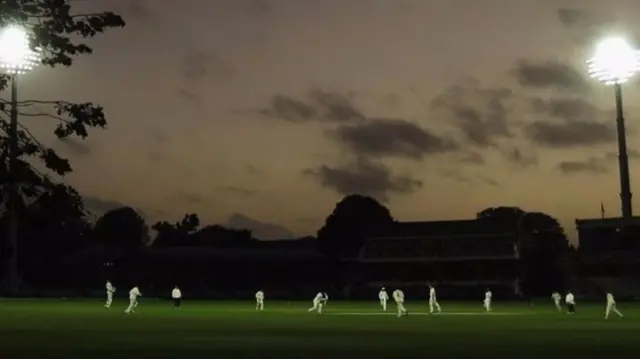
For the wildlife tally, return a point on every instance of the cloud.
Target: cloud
(390, 137)
(191, 97)
(575, 124)
(75, 146)
(549, 75)
(190, 198)
(290, 109)
(631, 153)
(237, 190)
(473, 158)
(365, 177)
(199, 65)
(518, 156)
(321, 106)
(261, 230)
(591, 165)
(138, 10)
(481, 114)
(585, 26)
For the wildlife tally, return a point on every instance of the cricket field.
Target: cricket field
(200, 329)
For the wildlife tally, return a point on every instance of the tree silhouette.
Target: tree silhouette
(122, 230)
(221, 237)
(55, 30)
(176, 234)
(352, 219)
(543, 243)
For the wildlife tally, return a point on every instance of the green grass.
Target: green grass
(85, 329)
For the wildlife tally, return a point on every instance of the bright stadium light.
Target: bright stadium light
(16, 58)
(615, 62)
(16, 55)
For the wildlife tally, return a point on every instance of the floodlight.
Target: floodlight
(16, 55)
(614, 61)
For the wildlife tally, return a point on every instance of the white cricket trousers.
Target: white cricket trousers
(383, 303)
(433, 304)
(133, 303)
(259, 304)
(487, 305)
(611, 308)
(109, 300)
(401, 309)
(317, 306)
(558, 305)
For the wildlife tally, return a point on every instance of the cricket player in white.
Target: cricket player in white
(611, 306)
(325, 299)
(384, 297)
(433, 302)
(556, 300)
(260, 300)
(487, 300)
(176, 295)
(110, 290)
(571, 303)
(317, 303)
(398, 296)
(134, 293)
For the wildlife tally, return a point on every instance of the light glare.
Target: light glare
(614, 62)
(16, 56)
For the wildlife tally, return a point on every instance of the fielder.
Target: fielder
(571, 303)
(611, 306)
(433, 302)
(398, 296)
(110, 290)
(487, 300)
(176, 295)
(317, 303)
(134, 293)
(556, 297)
(325, 299)
(260, 300)
(384, 297)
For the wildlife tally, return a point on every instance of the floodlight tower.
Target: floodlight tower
(16, 58)
(614, 63)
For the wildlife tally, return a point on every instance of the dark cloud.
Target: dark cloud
(335, 107)
(631, 153)
(571, 123)
(199, 65)
(549, 75)
(481, 114)
(585, 26)
(261, 230)
(290, 109)
(138, 9)
(364, 177)
(473, 158)
(191, 97)
(237, 190)
(520, 157)
(190, 197)
(390, 137)
(591, 165)
(75, 146)
(457, 176)
(253, 170)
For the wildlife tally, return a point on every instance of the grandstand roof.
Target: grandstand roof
(435, 229)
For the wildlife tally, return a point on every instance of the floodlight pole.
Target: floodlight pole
(623, 158)
(12, 275)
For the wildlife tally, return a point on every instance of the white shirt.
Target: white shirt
(556, 296)
(398, 296)
(260, 295)
(569, 299)
(610, 299)
(176, 293)
(432, 294)
(319, 297)
(383, 295)
(134, 293)
(110, 288)
(488, 295)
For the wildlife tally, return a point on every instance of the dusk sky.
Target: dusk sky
(271, 110)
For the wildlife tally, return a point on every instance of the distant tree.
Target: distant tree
(176, 234)
(543, 244)
(346, 227)
(122, 230)
(221, 237)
